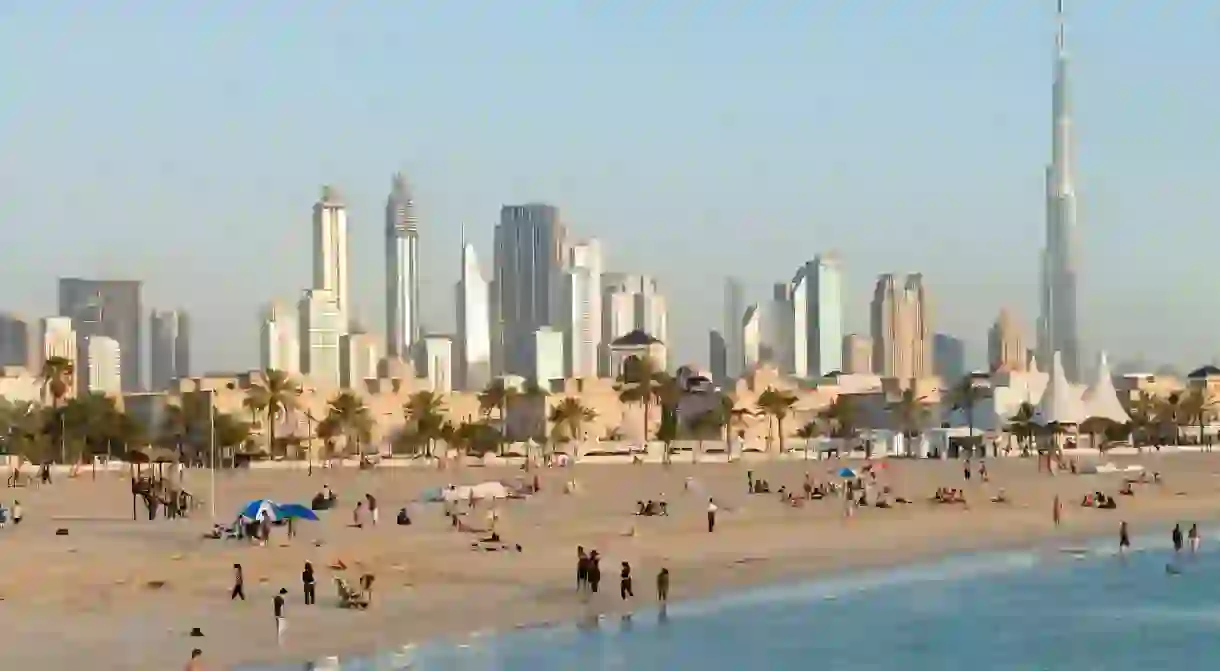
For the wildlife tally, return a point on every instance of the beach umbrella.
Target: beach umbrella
(297, 511)
(846, 473)
(253, 509)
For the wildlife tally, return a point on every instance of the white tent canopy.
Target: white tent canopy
(1060, 404)
(1101, 399)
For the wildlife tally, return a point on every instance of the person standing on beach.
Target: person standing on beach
(595, 571)
(582, 569)
(309, 585)
(281, 623)
(17, 512)
(1057, 511)
(1124, 538)
(983, 470)
(372, 500)
(966, 470)
(711, 515)
(1194, 538)
(1176, 536)
(624, 584)
(239, 584)
(663, 585)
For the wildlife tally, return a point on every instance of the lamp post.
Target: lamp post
(212, 450)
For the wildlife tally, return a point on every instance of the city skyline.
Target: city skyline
(1134, 170)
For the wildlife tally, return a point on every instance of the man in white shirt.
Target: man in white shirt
(711, 515)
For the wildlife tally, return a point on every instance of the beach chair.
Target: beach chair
(349, 598)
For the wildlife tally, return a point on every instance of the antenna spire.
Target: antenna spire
(1060, 21)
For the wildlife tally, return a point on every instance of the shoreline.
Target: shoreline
(432, 587)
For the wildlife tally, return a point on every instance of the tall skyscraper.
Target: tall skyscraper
(825, 315)
(17, 344)
(437, 362)
(359, 355)
(1057, 325)
(103, 366)
(111, 308)
(1006, 351)
(900, 328)
(322, 330)
(751, 339)
(857, 354)
(798, 302)
(58, 340)
(473, 324)
(401, 270)
(330, 250)
(734, 311)
(629, 303)
(582, 309)
(529, 257)
(949, 353)
(717, 354)
(280, 339)
(169, 348)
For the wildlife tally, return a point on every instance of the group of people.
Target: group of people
(1192, 538)
(589, 577)
(13, 514)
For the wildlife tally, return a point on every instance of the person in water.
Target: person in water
(1124, 538)
(1193, 537)
(1176, 536)
(663, 585)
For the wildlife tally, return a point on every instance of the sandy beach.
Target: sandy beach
(84, 600)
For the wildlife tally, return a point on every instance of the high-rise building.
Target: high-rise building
(717, 354)
(169, 347)
(280, 339)
(473, 325)
(631, 303)
(825, 315)
(111, 308)
(103, 366)
(529, 258)
(949, 355)
(17, 344)
(857, 354)
(900, 328)
(751, 338)
(734, 311)
(1006, 350)
(547, 356)
(438, 362)
(330, 250)
(582, 309)
(798, 304)
(359, 355)
(401, 270)
(58, 339)
(1057, 325)
(322, 328)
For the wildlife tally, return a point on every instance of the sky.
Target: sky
(184, 143)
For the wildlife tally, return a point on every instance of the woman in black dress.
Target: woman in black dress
(595, 571)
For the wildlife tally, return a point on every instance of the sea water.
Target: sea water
(1085, 608)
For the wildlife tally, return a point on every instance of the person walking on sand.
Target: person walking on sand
(663, 585)
(624, 584)
(711, 515)
(966, 470)
(357, 514)
(582, 569)
(1057, 511)
(1176, 537)
(1124, 537)
(239, 584)
(1193, 537)
(18, 513)
(595, 571)
(372, 501)
(309, 585)
(281, 622)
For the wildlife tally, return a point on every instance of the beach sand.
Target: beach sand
(85, 601)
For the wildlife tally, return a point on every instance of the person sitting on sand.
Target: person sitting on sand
(404, 518)
(1126, 489)
(1087, 502)
(1000, 497)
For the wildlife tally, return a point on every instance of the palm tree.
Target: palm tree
(910, 414)
(21, 427)
(496, 397)
(57, 374)
(569, 416)
(425, 411)
(1022, 425)
(1200, 408)
(638, 384)
(736, 420)
(352, 419)
(1172, 412)
(840, 417)
(807, 433)
(776, 405)
(231, 433)
(669, 396)
(1143, 417)
(713, 422)
(965, 396)
(277, 395)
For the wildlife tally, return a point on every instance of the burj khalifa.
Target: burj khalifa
(1057, 325)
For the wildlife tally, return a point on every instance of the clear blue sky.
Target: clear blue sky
(183, 143)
